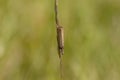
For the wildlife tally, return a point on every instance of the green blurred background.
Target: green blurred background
(28, 49)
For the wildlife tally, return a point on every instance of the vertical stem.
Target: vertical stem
(56, 13)
(60, 38)
(61, 69)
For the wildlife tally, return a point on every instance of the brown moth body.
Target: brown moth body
(60, 40)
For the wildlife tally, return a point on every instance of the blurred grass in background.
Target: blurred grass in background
(28, 40)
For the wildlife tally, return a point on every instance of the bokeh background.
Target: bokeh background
(28, 49)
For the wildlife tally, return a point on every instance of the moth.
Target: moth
(60, 40)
